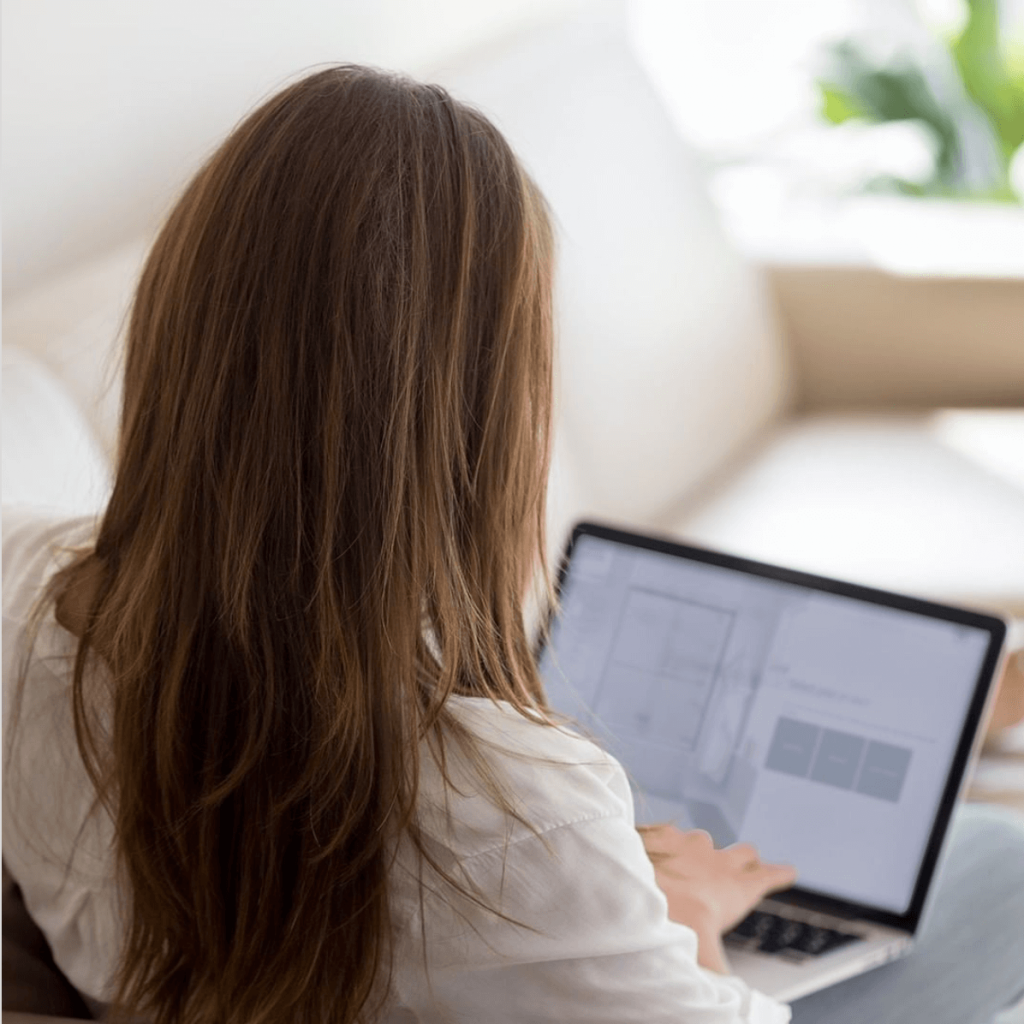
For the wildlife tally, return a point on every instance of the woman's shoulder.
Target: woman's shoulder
(516, 778)
(559, 916)
(38, 653)
(530, 736)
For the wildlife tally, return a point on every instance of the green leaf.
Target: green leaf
(897, 93)
(989, 74)
(857, 85)
(838, 106)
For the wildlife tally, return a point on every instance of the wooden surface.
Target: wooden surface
(861, 338)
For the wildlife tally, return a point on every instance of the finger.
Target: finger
(698, 837)
(742, 854)
(674, 846)
(773, 877)
(660, 839)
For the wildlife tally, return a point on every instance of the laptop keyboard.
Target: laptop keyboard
(772, 933)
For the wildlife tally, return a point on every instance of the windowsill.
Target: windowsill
(771, 224)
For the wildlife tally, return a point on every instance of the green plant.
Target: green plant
(992, 73)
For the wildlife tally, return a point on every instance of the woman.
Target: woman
(291, 665)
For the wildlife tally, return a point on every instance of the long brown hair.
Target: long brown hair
(329, 496)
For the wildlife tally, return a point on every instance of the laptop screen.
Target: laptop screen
(820, 726)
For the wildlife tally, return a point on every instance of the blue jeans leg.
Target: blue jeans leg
(969, 961)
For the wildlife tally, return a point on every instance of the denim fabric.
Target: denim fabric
(968, 964)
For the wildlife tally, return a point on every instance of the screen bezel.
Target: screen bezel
(994, 626)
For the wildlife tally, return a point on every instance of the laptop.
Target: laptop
(830, 724)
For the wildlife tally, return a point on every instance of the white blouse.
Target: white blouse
(593, 941)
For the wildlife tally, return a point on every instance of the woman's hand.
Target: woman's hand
(1008, 705)
(710, 890)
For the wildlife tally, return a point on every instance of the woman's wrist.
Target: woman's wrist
(711, 953)
(710, 948)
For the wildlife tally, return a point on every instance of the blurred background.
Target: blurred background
(813, 118)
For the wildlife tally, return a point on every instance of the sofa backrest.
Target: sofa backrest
(670, 363)
(74, 324)
(670, 359)
(50, 456)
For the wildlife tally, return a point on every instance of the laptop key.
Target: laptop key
(783, 935)
(771, 933)
(755, 925)
(817, 941)
(837, 939)
(814, 940)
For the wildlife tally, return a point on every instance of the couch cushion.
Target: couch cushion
(670, 361)
(50, 457)
(73, 324)
(901, 502)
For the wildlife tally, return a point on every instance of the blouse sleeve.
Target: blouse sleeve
(54, 845)
(591, 942)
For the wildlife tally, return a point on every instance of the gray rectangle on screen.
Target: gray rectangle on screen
(837, 758)
(884, 769)
(792, 747)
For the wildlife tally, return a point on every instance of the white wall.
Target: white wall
(109, 105)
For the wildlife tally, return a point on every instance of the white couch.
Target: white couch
(792, 415)
(787, 414)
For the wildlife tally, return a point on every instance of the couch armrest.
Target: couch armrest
(864, 338)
